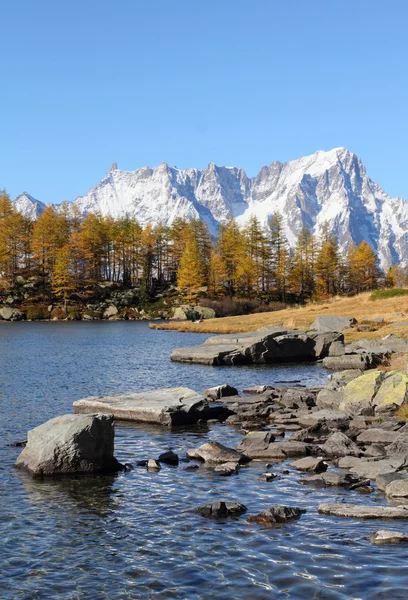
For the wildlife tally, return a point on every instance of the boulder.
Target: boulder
(261, 444)
(371, 469)
(383, 536)
(220, 391)
(276, 515)
(110, 312)
(153, 465)
(399, 447)
(362, 362)
(384, 479)
(358, 511)
(338, 445)
(393, 389)
(257, 389)
(70, 444)
(359, 393)
(397, 488)
(376, 435)
(332, 418)
(339, 380)
(330, 399)
(169, 458)
(222, 509)
(216, 453)
(266, 345)
(330, 323)
(10, 314)
(309, 463)
(338, 478)
(227, 469)
(168, 406)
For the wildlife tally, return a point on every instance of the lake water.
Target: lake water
(136, 535)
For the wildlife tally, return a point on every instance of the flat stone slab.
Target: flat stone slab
(358, 511)
(332, 323)
(167, 406)
(265, 345)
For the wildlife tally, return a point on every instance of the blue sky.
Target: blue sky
(88, 82)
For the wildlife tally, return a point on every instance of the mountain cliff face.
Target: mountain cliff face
(328, 186)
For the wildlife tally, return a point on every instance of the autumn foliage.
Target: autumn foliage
(70, 253)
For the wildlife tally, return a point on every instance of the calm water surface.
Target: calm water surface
(135, 535)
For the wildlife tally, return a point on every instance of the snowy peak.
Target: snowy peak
(325, 187)
(29, 206)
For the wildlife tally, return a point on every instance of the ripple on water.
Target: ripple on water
(136, 535)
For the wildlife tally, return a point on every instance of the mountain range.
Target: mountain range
(330, 187)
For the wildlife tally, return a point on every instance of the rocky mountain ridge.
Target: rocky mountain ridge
(330, 187)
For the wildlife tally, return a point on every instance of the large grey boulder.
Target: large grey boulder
(325, 323)
(70, 444)
(399, 447)
(266, 345)
(333, 418)
(371, 469)
(358, 511)
(7, 313)
(329, 399)
(360, 361)
(376, 435)
(167, 406)
(256, 444)
(397, 489)
(383, 536)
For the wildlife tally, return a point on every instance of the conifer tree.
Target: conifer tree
(62, 281)
(217, 275)
(189, 275)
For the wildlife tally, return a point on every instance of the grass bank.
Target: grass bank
(361, 307)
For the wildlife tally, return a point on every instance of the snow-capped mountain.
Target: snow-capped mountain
(29, 206)
(330, 187)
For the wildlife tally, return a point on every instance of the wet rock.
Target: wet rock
(372, 468)
(397, 488)
(331, 323)
(358, 511)
(276, 515)
(309, 463)
(70, 444)
(384, 536)
(338, 444)
(169, 406)
(227, 469)
(169, 458)
(376, 435)
(222, 509)
(18, 444)
(216, 453)
(268, 477)
(258, 444)
(220, 391)
(338, 478)
(153, 465)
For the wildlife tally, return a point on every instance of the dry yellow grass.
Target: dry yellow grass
(359, 307)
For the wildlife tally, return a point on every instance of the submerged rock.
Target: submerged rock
(276, 515)
(169, 458)
(384, 536)
(222, 509)
(70, 444)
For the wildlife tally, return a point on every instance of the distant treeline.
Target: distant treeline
(70, 252)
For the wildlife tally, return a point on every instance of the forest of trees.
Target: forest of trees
(70, 253)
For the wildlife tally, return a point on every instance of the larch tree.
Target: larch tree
(189, 275)
(62, 280)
